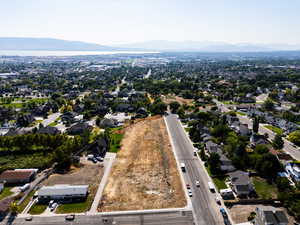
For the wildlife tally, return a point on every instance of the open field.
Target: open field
(171, 98)
(89, 174)
(144, 175)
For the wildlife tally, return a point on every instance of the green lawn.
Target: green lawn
(241, 113)
(276, 130)
(37, 209)
(220, 182)
(5, 192)
(53, 124)
(25, 202)
(74, 207)
(263, 189)
(115, 141)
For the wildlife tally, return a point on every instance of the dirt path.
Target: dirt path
(144, 175)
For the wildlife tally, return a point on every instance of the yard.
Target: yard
(89, 174)
(116, 136)
(144, 175)
(37, 209)
(219, 181)
(263, 189)
(5, 193)
(276, 130)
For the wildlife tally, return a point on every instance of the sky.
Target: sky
(113, 22)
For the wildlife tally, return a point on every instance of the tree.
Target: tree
(158, 108)
(295, 137)
(278, 142)
(214, 163)
(283, 184)
(268, 166)
(255, 125)
(268, 105)
(261, 149)
(203, 155)
(174, 106)
(14, 208)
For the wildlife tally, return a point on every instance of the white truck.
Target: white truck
(211, 187)
(182, 166)
(25, 187)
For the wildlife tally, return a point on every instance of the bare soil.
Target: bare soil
(144, 175)
(171, 98)
(87, 174)
(240, 213)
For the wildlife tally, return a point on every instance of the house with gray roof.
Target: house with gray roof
(241, 183)
(269, 215)
(62, 192)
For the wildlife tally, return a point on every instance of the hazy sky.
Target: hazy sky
(126, 21)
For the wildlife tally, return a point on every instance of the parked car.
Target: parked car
(53, 206)
(28, 218)
(218, 201)
(100, 159)
(188, 186)
(195, 153)
(190, 193)
(223, 212)
(197, 183)
(70, 217)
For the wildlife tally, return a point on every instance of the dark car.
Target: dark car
(223, 212)
(70, 217)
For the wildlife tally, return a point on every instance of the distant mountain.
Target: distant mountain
(194, 46)
(50, 44)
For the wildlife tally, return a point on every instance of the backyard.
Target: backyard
(263, 189)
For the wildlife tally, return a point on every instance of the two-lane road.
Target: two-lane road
(206, 211)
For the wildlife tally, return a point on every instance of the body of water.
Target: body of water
(65, 53)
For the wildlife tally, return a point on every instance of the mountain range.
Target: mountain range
(50, 44)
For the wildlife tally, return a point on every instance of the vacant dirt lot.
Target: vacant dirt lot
(240, 213)
(171, 98)
(88, 173)
(144, 175)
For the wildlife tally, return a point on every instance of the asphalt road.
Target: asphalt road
(206, 211)
(288, 146)
(168, 218)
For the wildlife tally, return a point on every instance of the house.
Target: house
(257, 139)
(107, 123)
(241, 183)
(293, 170)
(79, 128)
(270, 216)
(212, 147)
(48, 130)
(226, 164)
(4, 205)
(68, 117)
(18, 176)
(63, 192)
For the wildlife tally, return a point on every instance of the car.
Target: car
(188, 186)
(51, 203)
(28, 218)
(53, 206)
(190, 193)
(218, 201)
(100, 159)
(197, 183)
(223, 212)
(70, 217)
(195, 153)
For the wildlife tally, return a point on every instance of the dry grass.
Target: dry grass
(171, 98)
(144, 175)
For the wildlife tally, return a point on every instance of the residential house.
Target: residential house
(293, 170)
(241, 183)
(18, 176)
(257, 139)
(270, 216)
(48, 130)
(63, 192)
(107, 123)
(79, 128)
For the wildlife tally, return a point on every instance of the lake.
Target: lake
(66, 53)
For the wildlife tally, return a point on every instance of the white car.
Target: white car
(197, 183)
(218, 201)
(190, 193)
